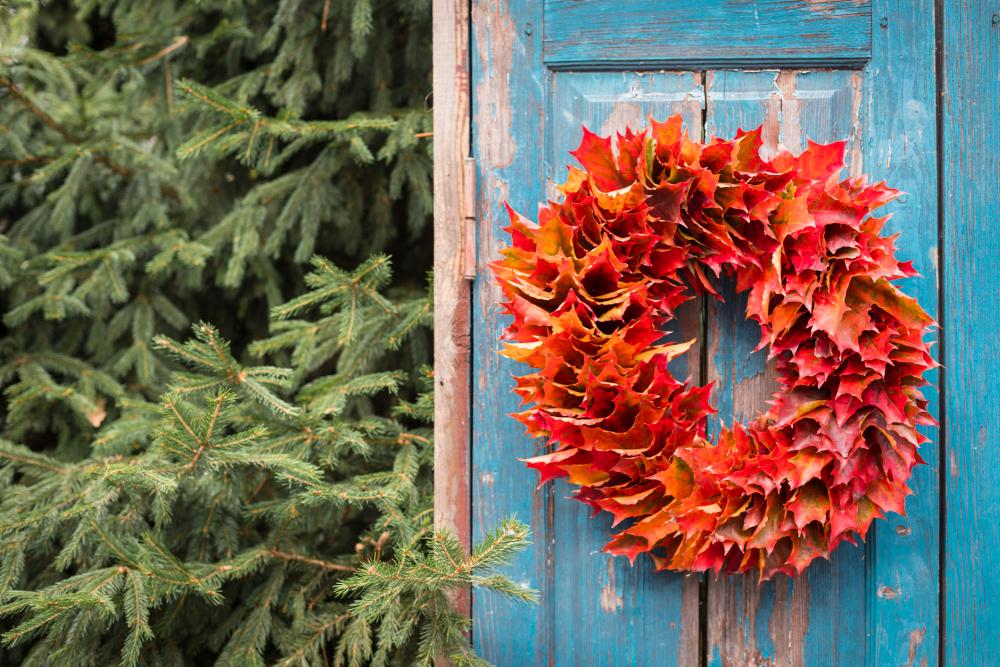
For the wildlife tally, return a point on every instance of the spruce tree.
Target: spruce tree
(214, 431)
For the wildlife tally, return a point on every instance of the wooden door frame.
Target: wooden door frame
(452, 286)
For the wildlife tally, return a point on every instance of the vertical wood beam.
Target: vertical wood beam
(900, 146)
(782, 623)
(511, 113)
(970, 185)
(452, 359)
(623, 614)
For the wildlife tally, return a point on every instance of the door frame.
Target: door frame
(454, 226)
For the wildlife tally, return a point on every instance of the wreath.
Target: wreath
(593, 286)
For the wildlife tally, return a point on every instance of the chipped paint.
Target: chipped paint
(855, 161)
(751, 393)
(734, 611)
(757, 32)
(916, 639)
(932, 255)
(887, 592)
(552, 191)
(732, 620)
(623, 115)
(611, 600)
(690, 631)
(791, 124)
(488, 247)
(495, 37)
(507, 100)
(789, 621)
(495, 48)
(697, 80)
(771, 130)
(750, 377)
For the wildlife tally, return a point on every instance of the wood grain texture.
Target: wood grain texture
(971, 188)
(621, 614)
(451, 290)
(690, 34)
(815, 619)
(510, 90)
(899, 145)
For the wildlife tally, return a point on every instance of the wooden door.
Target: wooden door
(861, 70)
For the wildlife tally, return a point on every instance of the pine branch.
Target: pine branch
(68, 136)
(316, 562)
(422, 579)
(210, 356)
(249, 125)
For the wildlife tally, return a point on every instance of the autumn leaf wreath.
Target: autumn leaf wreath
(593, 286)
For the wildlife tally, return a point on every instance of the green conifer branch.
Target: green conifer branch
(174, 495)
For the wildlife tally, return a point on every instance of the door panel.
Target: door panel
(789, 622)
(621, 615)
(533, 87)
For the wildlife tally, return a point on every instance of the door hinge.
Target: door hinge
(469, 218)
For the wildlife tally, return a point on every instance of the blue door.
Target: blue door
(861, 70)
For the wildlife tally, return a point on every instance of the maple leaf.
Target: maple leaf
(821, 162)
(886, 296)
(597, 158)
(809, 503)
(677, 479)
(806, 464)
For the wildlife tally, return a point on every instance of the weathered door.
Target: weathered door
(861, 70)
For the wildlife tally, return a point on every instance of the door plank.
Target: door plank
(783, 622)
(971, 188)
(510, 89)
(900, 146)
(689, 34)
(611, 613)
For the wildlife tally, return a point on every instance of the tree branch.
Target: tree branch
(50, 122)
(41, 115)
(325, 564)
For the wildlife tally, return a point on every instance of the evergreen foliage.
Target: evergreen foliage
(214, 431)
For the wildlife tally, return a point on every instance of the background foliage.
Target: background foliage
(215, 443)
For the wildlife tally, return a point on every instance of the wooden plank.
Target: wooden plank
(611, 613)
(899, 145)
(510, 89)
(451, 290)
(971, 273)
(815, 619)
(688, 34)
